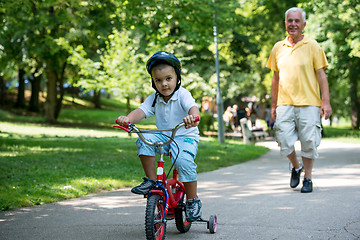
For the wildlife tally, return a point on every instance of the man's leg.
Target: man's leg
(293, 159)
(308, 166)
(307, 183)
(295, 171)
(309, 136)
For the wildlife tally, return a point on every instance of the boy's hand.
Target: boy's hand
(190, 121)
(123, 121)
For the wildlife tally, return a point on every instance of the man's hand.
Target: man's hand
(326, 110)
(273, 113)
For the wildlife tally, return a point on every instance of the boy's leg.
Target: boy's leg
(186, 166)
(193, 203)
(191, 189)
(148, 163)
(146, 154)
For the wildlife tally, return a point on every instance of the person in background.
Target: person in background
(253, 116)
(268, 119)
(241, 113)
(228, 118)
(299, 95)
(234, 111)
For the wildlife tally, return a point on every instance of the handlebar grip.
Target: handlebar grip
(123, 128)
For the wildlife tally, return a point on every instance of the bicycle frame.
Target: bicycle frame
(166, 200)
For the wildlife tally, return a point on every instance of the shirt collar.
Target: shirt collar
(303, 41)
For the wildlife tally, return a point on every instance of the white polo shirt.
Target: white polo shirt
(170, 114)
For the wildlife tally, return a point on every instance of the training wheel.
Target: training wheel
(212, 224)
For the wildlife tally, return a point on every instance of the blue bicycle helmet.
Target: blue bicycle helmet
(167, 58)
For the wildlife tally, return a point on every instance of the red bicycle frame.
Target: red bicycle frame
(164, 187)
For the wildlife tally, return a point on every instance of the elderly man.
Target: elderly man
(296, 105)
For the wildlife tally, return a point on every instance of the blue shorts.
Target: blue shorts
(185, 162)
(298, 123)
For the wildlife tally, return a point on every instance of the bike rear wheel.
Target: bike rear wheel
(180, 217)
(155, 227)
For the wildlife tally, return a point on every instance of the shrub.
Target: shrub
(206, 121)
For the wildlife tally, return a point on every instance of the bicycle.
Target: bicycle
(166, 201)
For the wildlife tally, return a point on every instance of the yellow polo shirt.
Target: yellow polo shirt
(298, 85)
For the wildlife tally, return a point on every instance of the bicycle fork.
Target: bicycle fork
(160, 188)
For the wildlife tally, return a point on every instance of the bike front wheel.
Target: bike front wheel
(155, 227)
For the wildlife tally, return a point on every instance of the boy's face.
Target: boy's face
(165, 80)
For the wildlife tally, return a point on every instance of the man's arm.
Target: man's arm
(326, 110)
(274, 94)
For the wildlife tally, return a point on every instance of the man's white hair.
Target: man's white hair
(296, 9)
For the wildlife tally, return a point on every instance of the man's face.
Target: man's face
(294, 24)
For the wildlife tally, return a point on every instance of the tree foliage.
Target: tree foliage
(103, 46)
(336, 25)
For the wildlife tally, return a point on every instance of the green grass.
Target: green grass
(41, 164)
(342, 134)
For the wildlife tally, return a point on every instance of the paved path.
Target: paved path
(252, 200)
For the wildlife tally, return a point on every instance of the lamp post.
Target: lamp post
(219, 101)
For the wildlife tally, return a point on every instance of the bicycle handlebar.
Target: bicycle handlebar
(132, 128)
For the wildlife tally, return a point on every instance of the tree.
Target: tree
(35, 27)
(336, 25)
(120, 68)
(125, 66)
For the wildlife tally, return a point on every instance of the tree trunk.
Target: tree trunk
(20, 103)
(61, 91)
(34, 105)
(355, 103)
(128, 108)
(50, 104)
(2, 91)
(97, 99)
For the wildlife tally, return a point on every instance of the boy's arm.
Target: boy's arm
(133, 117)
(189, 120)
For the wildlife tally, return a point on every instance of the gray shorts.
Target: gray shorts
(185, 163)
(298, 123)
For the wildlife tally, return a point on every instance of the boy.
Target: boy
(171, 104)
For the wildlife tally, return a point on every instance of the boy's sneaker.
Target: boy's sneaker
(307, 186)
(193, 209)
(295, 177)
(144, 187)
